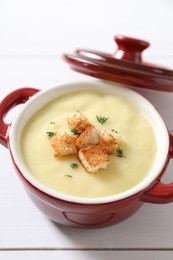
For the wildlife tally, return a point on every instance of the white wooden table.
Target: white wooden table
(33, 36)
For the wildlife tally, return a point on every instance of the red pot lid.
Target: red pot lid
(124, 66)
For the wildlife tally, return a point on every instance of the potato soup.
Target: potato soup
(125, 167)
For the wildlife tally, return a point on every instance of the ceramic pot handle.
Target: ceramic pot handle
(130, 48)
(13, 99)
(160, 193)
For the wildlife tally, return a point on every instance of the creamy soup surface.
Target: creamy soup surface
(138, 145)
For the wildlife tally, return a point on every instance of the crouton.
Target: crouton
(63, 145)
(93, 158)
(110, 141)
(88, 137)
(78, 122)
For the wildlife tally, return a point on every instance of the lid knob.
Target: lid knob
(130, 48)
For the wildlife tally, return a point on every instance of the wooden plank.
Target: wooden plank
(86, 255)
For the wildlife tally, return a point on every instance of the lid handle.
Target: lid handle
(130, 48)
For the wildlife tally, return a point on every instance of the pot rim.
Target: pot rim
(43, 97)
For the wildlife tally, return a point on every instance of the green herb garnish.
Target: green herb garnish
(67, 175)
(52, 123)
(113, 130)
(120, 153)
(75, 131)
(74, 165)
(102, 119)
(50, 134)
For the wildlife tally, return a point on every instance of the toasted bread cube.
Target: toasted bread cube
(78, 122)
(88, 137)
(110, 141)
(63, 145)
(93, 158)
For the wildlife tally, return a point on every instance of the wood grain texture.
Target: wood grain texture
(85, 255)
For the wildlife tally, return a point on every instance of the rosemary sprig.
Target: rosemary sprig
(120, 153)
(75, 131)
(50, 134)
(74, 165)
(102, 119)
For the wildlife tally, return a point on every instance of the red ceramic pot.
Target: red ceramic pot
(83, 212)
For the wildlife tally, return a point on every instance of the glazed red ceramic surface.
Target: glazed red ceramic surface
(124, 66)
(83, 212)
